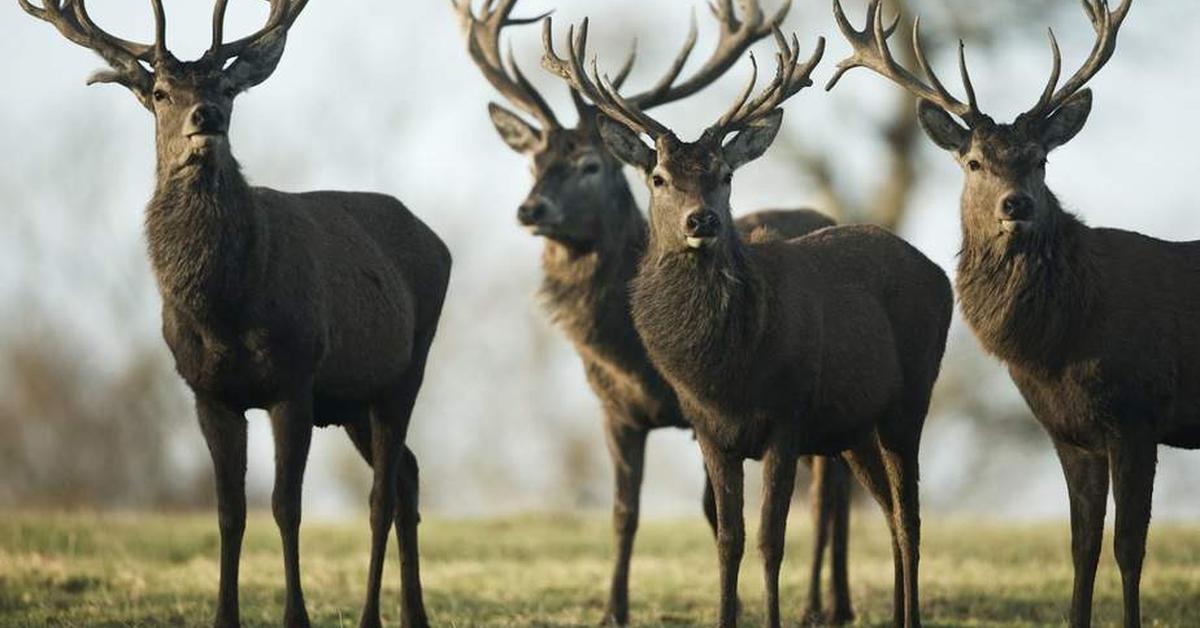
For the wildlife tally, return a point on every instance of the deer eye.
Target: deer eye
(658, 180)
(590, 168)
(974, 165)
(728, 178)
(229, 92)
(161, 95)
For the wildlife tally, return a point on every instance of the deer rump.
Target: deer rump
(331, 281)
(867, 324)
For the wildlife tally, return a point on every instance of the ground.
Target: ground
(85, 569)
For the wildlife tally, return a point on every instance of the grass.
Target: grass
(85, 569)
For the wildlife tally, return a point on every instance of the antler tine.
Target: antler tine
(735, 38)
(218, 27)
(605, 98)
(729, 115)
(791, 76)
(871, 51)
(972, 101)
(483, 45)
(1055, 72)
(71, 19)
(664, 84)
(626, 67)
(160, 27)
(1107, 24)
(283, 14)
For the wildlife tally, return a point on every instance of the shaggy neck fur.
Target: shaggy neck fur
(585, 288)
(702, 314)
(1028, 297)
(200, 228)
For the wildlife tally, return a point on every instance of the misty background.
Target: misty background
(382, 96)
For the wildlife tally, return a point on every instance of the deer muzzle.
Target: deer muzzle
(205, 122)
(700, 228)
(1015, 212)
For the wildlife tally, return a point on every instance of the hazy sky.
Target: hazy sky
(381, 96)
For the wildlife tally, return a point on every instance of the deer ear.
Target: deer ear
(517, 133)
(751, 142)
(257, 61)
(1067, 121)
(626, 144)
(941, 127)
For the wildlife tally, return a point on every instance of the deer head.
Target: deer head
(191, 100)
(576, 178)
(689, 181)
(1004, 165)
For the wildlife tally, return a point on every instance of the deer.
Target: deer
(1095, 325)
(319, 307)
(594, 235)
(827, 344)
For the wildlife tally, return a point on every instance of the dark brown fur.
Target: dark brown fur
(318, 307)
(779, 349)
(1099, 333)
(595, 236)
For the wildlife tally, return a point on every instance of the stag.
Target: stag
(318, 307)
(1096, 326)
(595, 235)
(776, 348)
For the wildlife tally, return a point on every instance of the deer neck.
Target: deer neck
(586, 289)
(200, 228)
(701, 314)
(1028, 298)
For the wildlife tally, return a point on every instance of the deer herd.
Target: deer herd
(778, 336)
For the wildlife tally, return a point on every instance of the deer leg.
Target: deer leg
(407, 522)
(838, 482)
(725, 470)
(710, 504)
(292, 424)
(396, 413)
(225, 432)
(902, 467)
(627, 447)
(866, 461)
(1087, 486)
(1132, 459)
(820, 515)
(710, 513)
(779, 478)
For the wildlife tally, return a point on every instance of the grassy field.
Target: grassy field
(150, 570)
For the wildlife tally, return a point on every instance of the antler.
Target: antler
(871, 51)
(1107, 24)
(283, 14)
(125, 57)
(603, 94)
(791, 76)
(71, 19)
(483, 44)
(735, 38)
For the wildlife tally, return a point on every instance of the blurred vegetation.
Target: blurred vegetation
(101, 570)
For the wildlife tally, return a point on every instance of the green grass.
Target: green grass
(150, 570)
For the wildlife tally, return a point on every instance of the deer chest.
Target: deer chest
(246, 367)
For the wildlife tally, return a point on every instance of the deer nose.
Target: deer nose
(701, 224)
(207, 119)
(1017, 207)
(531, 212)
